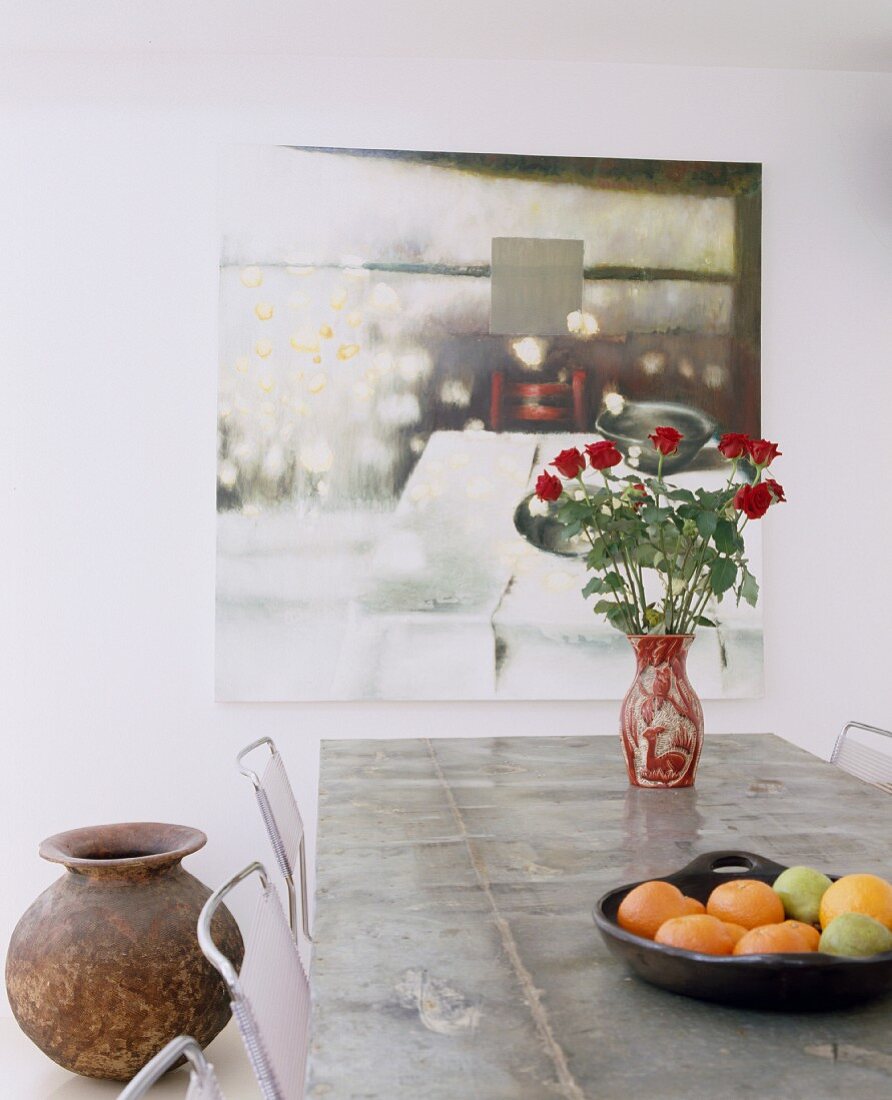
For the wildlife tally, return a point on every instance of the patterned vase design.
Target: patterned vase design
(661, 721)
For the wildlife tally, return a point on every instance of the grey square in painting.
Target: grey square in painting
(536, 282)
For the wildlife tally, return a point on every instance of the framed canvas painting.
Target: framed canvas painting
(406, 339)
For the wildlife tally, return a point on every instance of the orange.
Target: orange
(772, 939)
(693, 907)
(736, 931)
(746, 901)
(868, 894)
(808, 931)
(649, 905)
(696, 932)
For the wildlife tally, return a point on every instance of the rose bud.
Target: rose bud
(603, 455)
(666, 440)
(763, 452)
(570, 463)
(548, 487)
(754, 500)
(734, 444)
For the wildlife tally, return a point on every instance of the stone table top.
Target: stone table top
(455, 950)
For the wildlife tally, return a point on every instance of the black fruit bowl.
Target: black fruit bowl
(807, 982)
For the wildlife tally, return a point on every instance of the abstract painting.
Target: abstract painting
(406, 339)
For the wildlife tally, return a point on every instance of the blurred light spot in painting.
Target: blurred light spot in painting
(300, 269)
(714, 376)
(399, 409)
(242, 364)
(274, 462)
(634, 451)
(529, 351)
(316, 457)
(250, 510)
(459, 459)
(227, 473)
(245, 451)
(305, 340)
(455, 392)
(354, 320)
(263, 348)
(251, 276)
(264, 311)
(652, 362)
(537, 507)
(317, 383)
(372, 452)
(347, 351)
(362, 391)
(633, 461)
(581, 323)
(267, 384)
(326, 332)
(339, 298)
(384, 297)
(417, 444)
(686, 368)
(384, 362)
(614, 403)
(224, 409)
(474, 425)
(414, 365)
(558, 581)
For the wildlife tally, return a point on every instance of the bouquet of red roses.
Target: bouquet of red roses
(692, 541)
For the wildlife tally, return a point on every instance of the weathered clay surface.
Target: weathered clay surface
(104, 968)
(453, 925)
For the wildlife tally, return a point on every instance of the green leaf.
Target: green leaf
(722, 575)
(680, 494)
(706, 524)
(749, 588)
(703, 621)
(647, 555)
(726, 538)
(595, 584)
(603, 607)
(650, 513)
(613, 581)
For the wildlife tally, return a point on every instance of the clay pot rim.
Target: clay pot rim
(636, 636)
(147, 844)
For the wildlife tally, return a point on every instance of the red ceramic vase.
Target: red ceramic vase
(661, 721)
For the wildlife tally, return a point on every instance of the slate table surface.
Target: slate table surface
(456, 955)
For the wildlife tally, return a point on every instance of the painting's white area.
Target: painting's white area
(792, 34)
(109, 342)
(283, 205)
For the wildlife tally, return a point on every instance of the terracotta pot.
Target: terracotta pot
(105, 968)
(661, 721)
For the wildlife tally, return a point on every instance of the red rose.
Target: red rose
(763, 452)
(734, 444)
(777, 490)
(570, 463)
(666, 440)
(755, 500)
(548, 487)
(602, 455)
(637, 490)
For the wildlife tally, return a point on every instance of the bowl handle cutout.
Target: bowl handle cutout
(732, 862)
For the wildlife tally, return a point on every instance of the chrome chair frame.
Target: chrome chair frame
(840, 740)
(240, 1008)
(275, 837)
(155, 1068)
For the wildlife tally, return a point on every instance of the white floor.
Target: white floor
(27, 1074)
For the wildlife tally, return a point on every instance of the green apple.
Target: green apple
(855, 934)
(801, 890)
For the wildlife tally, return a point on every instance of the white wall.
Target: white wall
(108, 295)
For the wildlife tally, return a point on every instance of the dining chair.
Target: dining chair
(278, 808)
(203, 1083)
(866, 754)
(270, 995)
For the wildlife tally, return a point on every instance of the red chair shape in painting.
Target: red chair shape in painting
(529, 403)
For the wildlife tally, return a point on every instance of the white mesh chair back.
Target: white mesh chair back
(270, 995)
(281, 816)
(865, 752)
(203, 1083)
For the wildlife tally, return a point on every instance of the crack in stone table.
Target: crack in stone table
(455, 951)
